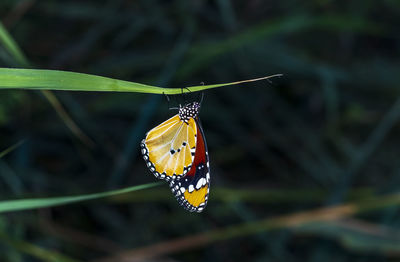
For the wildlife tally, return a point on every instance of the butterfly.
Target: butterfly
(176, 151)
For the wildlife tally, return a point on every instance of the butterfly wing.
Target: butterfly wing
(192, 190)
(169, 148)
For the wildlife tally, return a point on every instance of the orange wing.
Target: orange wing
(169, 148)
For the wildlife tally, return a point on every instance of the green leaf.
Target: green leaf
(24, 204)
(11, 78)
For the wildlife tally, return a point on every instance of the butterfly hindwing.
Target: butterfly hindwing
(192, 190)
(168, 149)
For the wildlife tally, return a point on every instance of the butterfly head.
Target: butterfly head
(188, 111)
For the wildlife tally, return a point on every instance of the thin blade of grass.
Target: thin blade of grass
(67, 119)
(12, 47)
(39, 79)
(11, 148)
(26, 204)
(204, 87)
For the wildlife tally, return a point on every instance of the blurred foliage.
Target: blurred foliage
(12, 100)
(297, 149)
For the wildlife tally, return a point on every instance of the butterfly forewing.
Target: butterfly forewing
(168, 149)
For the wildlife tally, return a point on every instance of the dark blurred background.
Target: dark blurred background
(287, 155)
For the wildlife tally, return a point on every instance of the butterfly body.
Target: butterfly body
(176, 151)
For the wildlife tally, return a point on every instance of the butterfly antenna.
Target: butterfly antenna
(270, 81)
(166, 96)
(202, 97)
(186, 89)
(168, 100)
(202, 94)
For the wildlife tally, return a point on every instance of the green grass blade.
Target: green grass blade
(66, 118)
(204, 87)
(11, 46)
(38, 79)
(11, 148)
(25, 204)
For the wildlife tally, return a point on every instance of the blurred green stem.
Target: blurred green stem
(34, 203)
(286, 221)
(11, 148)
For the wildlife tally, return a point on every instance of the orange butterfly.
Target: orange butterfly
(176, 151)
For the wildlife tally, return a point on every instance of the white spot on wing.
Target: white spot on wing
(191, 188)
(200, 183)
